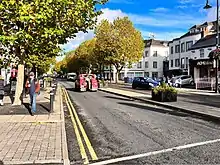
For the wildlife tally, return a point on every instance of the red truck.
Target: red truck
(86, 82)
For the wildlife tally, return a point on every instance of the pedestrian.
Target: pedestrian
(33, 87)
(2, 93)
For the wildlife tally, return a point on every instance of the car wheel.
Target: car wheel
(134, 87)
(192, 83)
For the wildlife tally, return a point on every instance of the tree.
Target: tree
(119, 43)
(36, 27)
(40, 64)
(85, 55)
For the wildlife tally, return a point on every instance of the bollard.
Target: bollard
(51, 100)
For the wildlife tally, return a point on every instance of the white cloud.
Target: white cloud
(185, 1)
(160, 9)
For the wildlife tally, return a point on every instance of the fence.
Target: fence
(205, 83)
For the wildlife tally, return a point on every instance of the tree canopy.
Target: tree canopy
(119, 42)
(37, 27)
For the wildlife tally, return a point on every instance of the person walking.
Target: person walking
(2, 93)
(34, 88)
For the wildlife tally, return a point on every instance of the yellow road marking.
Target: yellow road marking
(88, 143)
(78, 137)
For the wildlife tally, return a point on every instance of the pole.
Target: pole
(217, 46)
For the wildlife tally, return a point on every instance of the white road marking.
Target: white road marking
(155, 152)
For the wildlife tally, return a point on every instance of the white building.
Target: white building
(201, 66)
(180, 48)
(151, 65)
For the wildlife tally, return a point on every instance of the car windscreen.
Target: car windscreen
(149, 80)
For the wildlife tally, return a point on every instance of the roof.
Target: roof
(205, 42)
(154, 42)
(185, 35)
(193, 27)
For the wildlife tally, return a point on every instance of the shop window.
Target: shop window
(146, 74)
(155, 74)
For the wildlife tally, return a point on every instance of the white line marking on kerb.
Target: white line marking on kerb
(155, 152)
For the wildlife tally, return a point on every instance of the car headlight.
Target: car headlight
(152, 85)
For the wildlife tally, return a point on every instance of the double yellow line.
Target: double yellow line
(78, 126)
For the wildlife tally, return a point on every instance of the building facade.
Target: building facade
(179, 48)
(201, 66)
(151, 64)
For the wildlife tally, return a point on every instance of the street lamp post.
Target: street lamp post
(207, 6)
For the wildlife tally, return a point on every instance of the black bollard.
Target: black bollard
(51, 100)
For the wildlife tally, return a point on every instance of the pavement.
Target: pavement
(38, 139)
(203, 105)
(127, 131)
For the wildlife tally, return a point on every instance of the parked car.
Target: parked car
(183, 80)
(144, 82)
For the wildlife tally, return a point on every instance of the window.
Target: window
(187, 62)
(177, 48)
(139, 65)
(155, 74)
(146, 74)
(171, 50)
(155, 54)
(146, 64)
(146, 54)
(154, 64)
(171, 63)
(177, 62)
(189, 45)
(183, 47)
(182, 62)
(201, 53)
(138, 74)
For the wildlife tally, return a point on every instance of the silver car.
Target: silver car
(183, 80)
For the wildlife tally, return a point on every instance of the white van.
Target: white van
(71, 76)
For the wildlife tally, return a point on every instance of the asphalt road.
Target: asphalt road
(119, 127)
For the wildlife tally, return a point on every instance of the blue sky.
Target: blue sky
(165, 19)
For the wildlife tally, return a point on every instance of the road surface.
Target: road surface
(119, 128)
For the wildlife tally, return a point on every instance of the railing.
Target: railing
(208, 82)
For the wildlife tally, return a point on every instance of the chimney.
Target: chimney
(205, 32)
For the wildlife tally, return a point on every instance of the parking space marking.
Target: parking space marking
(156, 152)
(87, 141)
(78, 137)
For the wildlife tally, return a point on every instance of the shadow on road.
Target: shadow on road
(28, 107)
(118, 98)
(148, 108)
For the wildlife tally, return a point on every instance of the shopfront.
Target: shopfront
(202, 68)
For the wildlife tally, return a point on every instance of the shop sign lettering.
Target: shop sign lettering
(200, 63)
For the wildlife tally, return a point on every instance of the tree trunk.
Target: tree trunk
(19, 86)
(116, 77)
